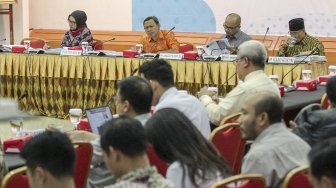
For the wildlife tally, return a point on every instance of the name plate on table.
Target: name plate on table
(71, 52)
(228, 57)
(284, 60)
(206, 57)
(177, 56)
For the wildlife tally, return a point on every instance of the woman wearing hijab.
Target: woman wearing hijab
(78, 32)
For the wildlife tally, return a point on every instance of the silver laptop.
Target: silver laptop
(97, 116)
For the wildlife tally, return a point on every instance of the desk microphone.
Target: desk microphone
(265, 35)
(23, 95)
(297, 64)
(134, 71)
(4, 39)
(109, 40)
(227, 80)
(170, 31)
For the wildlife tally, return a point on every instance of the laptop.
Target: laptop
(97, 116)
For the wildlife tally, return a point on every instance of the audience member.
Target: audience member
(275, 149)
(50, 159)
(299, 41)
(322, 173)
(313, 123)
(233, 33)
(165, 95)
(79, 32)
(157, 40)
(250, 66)
(133, 99)
(194, 162)
(124, 145)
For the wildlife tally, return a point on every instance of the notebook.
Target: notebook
(97, 116)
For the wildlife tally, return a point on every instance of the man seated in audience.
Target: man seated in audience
(250, 66)
(313, 123)
(275, 149)
(165, 95)
(124, 145)
(322, 173)
(50, 159)
(233, 33)
(299, 41)
(157, 40)
(134, 98)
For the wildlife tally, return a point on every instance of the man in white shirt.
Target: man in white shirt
(250, 65)
(165, 95)
(275, 149)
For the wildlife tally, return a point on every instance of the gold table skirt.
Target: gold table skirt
(54, 84)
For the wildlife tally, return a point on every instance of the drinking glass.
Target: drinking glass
(75, 115)
(139, 48)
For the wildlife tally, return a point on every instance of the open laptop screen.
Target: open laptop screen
(97, 117)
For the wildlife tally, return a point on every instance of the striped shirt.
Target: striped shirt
(308, 43)
(166, 41)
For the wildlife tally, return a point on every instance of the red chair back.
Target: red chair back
(186, 47)
(16, 178)
(35, 42)
(297, 178)
(229, 142)
(84, 153)
(97, 45)
(242, 181)
(154, 160)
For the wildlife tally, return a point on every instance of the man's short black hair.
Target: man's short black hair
(159, 70)
(322, 159)
(272, 105)
(331, 89)
(52, 151)
(126, 135)
(138, 92)
(154, 18)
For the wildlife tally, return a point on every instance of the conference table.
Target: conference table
(52, 84)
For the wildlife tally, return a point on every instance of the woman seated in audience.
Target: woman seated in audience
(78, 32)
(194, 162)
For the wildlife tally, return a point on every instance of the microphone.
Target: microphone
(297, 64)
(24, 95)
(265, 35)
(4, 39)
(134, 71)
(109, 40)
(170, 31)
(227, 80)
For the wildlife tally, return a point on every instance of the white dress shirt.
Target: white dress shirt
(256, 81)
(275, 152)
(189, 105)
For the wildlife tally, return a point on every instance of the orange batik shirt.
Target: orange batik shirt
(166, 41)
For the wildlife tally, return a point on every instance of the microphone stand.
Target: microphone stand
(265, 35)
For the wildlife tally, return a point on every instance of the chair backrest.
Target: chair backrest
(35, 42)
(97, 44)
(232, 118)
(154, 160)
(184, 47)
(325, 102)
(297, 178)
(84, 153)
(16, 178)
(242, 181)
(229, 142)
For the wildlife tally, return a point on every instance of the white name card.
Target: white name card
(71, 52)
(177, 56)
(284, 60)
(228, 57)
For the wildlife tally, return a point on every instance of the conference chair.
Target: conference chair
(325, 102)
(35, 42)
(232, 118)
(16, 178)
(297, 178)
(84, 153)
(154, 160)
(229, 142)
(185, 46)
(242, 181)
(97, 44)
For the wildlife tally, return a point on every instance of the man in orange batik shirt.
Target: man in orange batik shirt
(157, 40)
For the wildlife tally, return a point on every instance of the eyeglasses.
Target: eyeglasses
(71, 22)
(230, 28)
